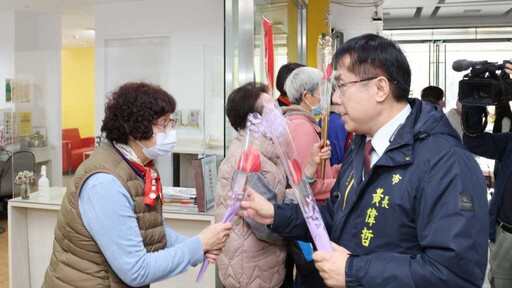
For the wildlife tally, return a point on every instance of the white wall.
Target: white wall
(355, 21)
(196, 32)
(193, 26)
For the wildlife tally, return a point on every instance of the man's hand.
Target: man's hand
(256, 207)
(331, 265)
(508, 67)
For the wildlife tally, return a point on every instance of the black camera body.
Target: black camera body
(483, 86)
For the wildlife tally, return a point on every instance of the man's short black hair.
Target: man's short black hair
(373, 55)
(432, 94)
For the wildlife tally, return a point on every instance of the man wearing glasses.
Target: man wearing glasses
(409, 206)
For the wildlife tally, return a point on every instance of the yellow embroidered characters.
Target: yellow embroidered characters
(366, 236)
(370, 216)
(377, 196)
(396, 179)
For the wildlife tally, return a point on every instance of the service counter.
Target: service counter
(31, 233)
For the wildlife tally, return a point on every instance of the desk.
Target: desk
(31, 233)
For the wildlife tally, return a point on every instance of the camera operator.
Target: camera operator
(496, 146)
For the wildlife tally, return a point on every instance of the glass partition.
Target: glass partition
(243, 42)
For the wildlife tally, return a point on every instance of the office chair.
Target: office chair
(18, 161)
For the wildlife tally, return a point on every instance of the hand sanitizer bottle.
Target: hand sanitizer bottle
(44, 185)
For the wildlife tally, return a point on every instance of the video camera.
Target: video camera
(483, 86)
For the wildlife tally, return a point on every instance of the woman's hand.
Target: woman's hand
(212, 256)
(214, 236)
(319, 153)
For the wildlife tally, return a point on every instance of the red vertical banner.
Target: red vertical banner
(268, 37)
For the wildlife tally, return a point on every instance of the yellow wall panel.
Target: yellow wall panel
(78, 89)
(316, 25)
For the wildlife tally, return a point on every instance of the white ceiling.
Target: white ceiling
(403, 14)
(78, 15)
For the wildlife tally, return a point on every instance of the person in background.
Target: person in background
(282, 75)
(434, 95)
(405, 179)
(497, 146)
(110, 230)
(253, 256)
(502, 124)
(454, 117)
(336, 134)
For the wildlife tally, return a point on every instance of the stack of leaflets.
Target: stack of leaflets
(180, 196)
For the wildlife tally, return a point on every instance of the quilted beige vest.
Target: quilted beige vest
(77, 261)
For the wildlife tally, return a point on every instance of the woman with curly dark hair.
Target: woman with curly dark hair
(111, 231)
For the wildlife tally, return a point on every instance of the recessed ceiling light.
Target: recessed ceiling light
(471, 11)
(76, 36)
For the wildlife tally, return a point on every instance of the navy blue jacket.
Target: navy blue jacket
(494, 146)
(420, 217)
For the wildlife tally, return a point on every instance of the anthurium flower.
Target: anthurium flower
(250, 160)
(296, 170)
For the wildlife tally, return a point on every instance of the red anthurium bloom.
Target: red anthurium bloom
(328, 72)
(296, 170)
(250, 160)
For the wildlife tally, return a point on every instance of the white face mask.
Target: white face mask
(165, 143)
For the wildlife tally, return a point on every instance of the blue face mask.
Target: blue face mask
(165, 143)
(317, 110)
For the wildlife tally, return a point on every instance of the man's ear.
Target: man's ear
(383, 89)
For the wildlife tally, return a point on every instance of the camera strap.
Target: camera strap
(473, 132)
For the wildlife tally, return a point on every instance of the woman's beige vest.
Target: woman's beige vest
(77, 261)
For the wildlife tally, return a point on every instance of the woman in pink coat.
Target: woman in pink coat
(304, 93)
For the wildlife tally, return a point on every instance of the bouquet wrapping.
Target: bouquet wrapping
(277, 129)
(324, 58)
(248, 162)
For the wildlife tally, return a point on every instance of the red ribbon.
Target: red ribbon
(153, 186)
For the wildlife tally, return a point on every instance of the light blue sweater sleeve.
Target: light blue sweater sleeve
(108, 214)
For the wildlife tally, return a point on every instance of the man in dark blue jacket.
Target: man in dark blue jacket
(412, 212)
(496, 146)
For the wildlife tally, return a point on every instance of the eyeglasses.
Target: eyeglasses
(167, 125)
(311, 93)
(343, 85)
